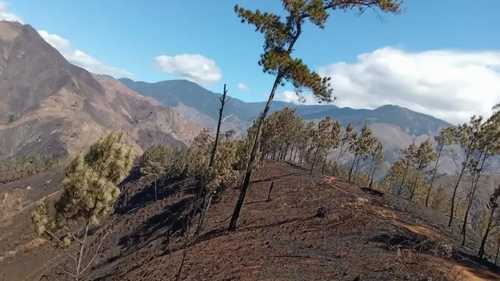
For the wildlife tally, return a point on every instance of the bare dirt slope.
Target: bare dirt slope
(310, 230)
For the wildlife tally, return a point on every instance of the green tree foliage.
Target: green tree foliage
(467, 136)
(423, 157)
(410, 170)
(487, 144)
(360, 148)
(154, 162)
(89, 193)
(444, 139)
(280, 36)
(324, 137)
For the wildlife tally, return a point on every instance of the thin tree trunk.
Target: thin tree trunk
(269, 192)
(179, 271)
(372, 175)
(454, 196)
(413, 188)
(434, 172)
(253, 154)
(221, 110)
(204, 211)
(485, 236)
(403, 180)
(475, 181)
(81, 252)
(314, 161)
(156, 190)
(352, 167)
(498, 252)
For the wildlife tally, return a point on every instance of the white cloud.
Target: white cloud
(452, 85)
(293, 97)
(242, 87)
(6, 15)
(194, 67)
(80, 58)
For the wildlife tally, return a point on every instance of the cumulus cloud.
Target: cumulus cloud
(294, 97)
(6, 15)
(194, 67)
(242, 87)
(80, 58)
(451, 85)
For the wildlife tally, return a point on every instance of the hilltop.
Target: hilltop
(311, 229)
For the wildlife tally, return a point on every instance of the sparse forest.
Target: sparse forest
(168, 180)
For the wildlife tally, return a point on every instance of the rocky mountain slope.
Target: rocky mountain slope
(311, 229)
(49, 107)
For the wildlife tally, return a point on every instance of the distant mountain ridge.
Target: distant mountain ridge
(173, 92)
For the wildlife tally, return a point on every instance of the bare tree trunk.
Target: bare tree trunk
(253, 154)
(498, 252)
(413, 188)
(269, 192)
(434, 172)
(179, 271)
(156, 190)
(487, 232)
(206, 205)
(221, 110)
(352, 167)
(475, 181)
(314, 160)
(372, 175)
(81, 252)
(403, 180)
(454, 196)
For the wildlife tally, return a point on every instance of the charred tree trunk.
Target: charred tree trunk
(498, 252)
(475, 181)
(486, 233)
(315, 158)
(434, 173)
(352, 167)
(216, 142)
(457, 184)
(206, 205)
(269, 192)
(253, 154)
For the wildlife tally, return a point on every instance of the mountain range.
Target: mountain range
(395, 126)
(52, 108)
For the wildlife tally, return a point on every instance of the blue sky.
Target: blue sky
(128, 35)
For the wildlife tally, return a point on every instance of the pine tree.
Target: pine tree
(360, 148)
(89, 193)
(487, 135)
(445, 138)
(424, 155)
(466, 137)
(153, 164)
(281, 35)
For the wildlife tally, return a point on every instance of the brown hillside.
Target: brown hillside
(310, 230)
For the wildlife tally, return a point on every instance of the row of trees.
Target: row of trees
(416, 171)
(288, 137)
